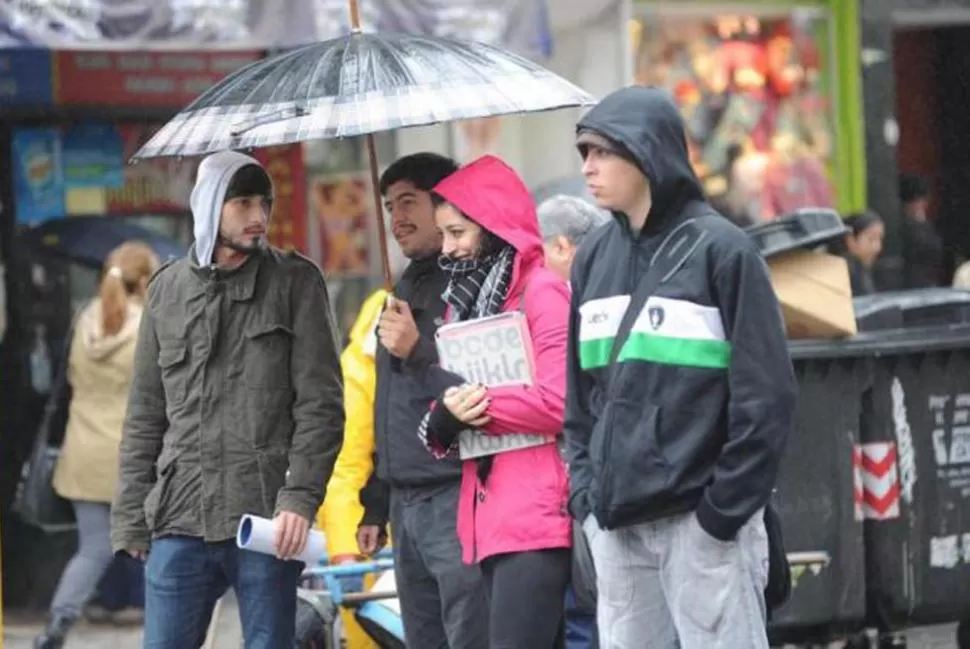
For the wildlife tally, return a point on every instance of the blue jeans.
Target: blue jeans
(580, 626)
(185, 576)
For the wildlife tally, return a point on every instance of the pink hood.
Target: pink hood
(490, 192)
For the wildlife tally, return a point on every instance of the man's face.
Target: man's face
(615, 182)
(244, 222)
(560, 252)
(412, 220)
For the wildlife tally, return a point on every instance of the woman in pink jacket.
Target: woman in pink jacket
(512, 516)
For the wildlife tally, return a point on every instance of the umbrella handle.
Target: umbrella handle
(378, 209)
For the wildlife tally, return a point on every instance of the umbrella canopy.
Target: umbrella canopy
(360, 84)
(90, 239)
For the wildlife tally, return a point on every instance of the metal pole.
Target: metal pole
(374, 176)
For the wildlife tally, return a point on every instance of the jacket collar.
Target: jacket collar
(239, 282)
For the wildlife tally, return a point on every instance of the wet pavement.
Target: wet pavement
(19, 633)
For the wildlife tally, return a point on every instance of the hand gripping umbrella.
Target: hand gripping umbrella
(358, 85)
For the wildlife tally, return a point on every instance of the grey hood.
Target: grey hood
(215, 173)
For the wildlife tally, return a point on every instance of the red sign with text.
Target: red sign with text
(288, 223)
(149, 79)
(160, 185)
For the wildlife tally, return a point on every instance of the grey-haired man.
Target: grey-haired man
(565, 221)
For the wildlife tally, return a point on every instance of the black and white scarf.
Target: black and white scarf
(478, 287)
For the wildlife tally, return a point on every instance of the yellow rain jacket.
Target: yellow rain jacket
(341, 511)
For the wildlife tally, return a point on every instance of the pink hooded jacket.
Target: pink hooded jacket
(522, 505)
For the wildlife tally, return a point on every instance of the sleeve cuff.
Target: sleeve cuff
(295, 504)
(579, 505)
(131, 541)
(373, 517)
(714, 523)
(443, 427)
(422, 356)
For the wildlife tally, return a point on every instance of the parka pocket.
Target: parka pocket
(172, 357)
(632, 468)
(155, 502)
(268, 348)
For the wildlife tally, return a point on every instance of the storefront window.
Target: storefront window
(753, 89)
(342, 234)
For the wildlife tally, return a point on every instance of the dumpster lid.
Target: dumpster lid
(890, 342)
(804, 228)
(910, 300)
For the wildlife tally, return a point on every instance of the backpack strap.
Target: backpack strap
(673, 252)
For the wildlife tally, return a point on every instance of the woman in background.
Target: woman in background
(99, 372)
(861, 248)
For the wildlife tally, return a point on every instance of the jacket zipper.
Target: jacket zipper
(606, 482)
(475, 497)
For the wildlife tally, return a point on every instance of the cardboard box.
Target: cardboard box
(815, 294)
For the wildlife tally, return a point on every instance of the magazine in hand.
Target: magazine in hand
(494, 351)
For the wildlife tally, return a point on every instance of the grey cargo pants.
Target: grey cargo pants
(668, 584)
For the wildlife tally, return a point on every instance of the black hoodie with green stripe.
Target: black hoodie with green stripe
(703, 393)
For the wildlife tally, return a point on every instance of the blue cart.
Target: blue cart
(328, 589)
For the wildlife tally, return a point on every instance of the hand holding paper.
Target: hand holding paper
(290, 535)
(259, 534)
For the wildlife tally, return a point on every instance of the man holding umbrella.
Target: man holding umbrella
(235, 408)
(442, 600)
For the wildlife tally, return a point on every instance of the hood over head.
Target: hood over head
(491, 193)
(216, 174)
(644, 126)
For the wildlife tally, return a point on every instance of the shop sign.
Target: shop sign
(343, 209)
(93, 156)
(38, 181)
(288, 222)
(149, 79)
(160, 185)
(25, 77)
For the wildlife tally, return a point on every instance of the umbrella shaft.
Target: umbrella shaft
(379, 211)
(354, 15)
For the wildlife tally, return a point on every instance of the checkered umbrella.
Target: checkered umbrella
(360, 84)
(356, 85)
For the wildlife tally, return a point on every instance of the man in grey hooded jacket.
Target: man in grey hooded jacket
(235, 408)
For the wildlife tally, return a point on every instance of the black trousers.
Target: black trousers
(443, 600)
(526, 592)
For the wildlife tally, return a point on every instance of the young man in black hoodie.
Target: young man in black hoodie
(674, 438)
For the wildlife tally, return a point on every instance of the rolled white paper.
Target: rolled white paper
(256, 534)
